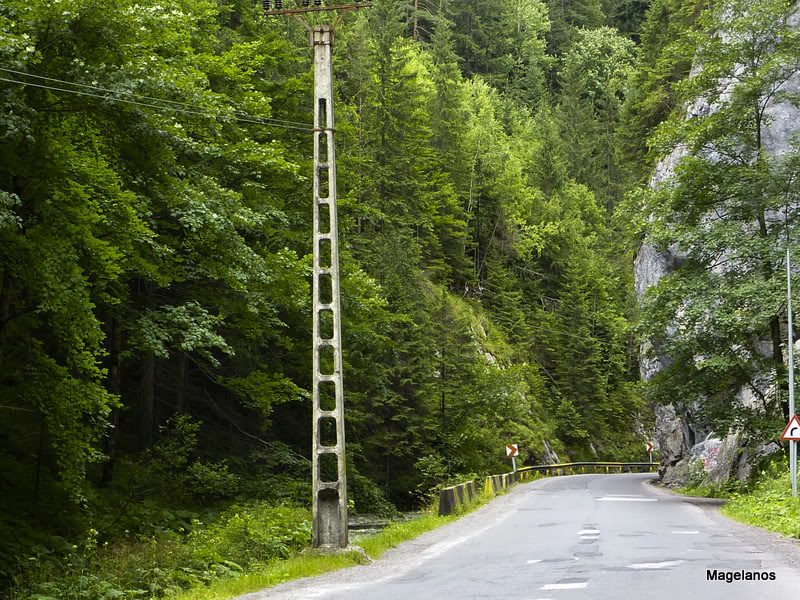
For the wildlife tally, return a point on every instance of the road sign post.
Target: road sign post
(792, 435)
(512, 450)
(790, 341)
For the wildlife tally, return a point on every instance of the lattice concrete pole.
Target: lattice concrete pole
(330, 495)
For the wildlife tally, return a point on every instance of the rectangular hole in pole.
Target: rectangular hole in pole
(322, 177)
(322, 140)
(325, 254)
(328, 468)
(323, 113)
(325, 289)
(326, 324)
(326, 364)
(327, 395)
(324, 218)
(327, 431)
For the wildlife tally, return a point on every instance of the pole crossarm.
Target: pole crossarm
(309, 9)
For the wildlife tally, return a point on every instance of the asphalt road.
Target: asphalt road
(585, 536)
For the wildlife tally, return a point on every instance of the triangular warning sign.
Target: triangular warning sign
(792, 431)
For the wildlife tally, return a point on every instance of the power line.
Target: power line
(256, 120)
(143, 97)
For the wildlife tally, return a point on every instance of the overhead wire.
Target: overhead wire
(144, 97)
(170, 105)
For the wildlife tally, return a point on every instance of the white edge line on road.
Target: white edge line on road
(564, 586)
(685, 532)
(534, 561)
(431, 552)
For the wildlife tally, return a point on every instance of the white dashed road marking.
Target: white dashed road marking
(625, 499)
(686, 532)
(661, 565)
(564, 586)
(588, 531)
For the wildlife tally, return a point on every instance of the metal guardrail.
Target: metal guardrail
(451, 498)
(594, 467)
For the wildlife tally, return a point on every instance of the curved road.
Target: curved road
(595, 537)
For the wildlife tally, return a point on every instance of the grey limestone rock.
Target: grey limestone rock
(676, 434)
(550, 457)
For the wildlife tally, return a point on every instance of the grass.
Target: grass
(272, 574)
(769, 504)
(704, 491)
(309, 564)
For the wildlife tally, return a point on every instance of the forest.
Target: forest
(155, 261)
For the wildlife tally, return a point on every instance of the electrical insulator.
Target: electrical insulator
(306, 2)
(317, 2)
(267, 5)
(278, 4)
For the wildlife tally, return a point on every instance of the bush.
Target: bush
(366, 496)
(160, 565)
(258, 532)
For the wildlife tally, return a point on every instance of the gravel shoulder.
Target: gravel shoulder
(785, 549)
(405, 556)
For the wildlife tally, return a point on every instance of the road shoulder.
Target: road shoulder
(786, 549)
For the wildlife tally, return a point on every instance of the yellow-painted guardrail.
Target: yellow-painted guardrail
(451, 498)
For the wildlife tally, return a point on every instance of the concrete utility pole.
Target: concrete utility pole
(329, 504)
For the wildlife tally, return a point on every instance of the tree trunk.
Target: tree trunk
(181, 381)
(110, 441)
(416, 8)
(39, 462)
(146, 402)
(5, 306)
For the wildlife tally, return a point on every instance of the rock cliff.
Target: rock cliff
(687, 450)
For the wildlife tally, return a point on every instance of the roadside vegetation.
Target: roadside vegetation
(246, 548)
(769, 503)
(309, 564)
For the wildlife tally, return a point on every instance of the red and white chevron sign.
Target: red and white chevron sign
(512, 449)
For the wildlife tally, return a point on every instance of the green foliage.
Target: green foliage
(769, 504)
(717, 316)
(248, 534)
(664, 60)
(244, 537)
(155, 258)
